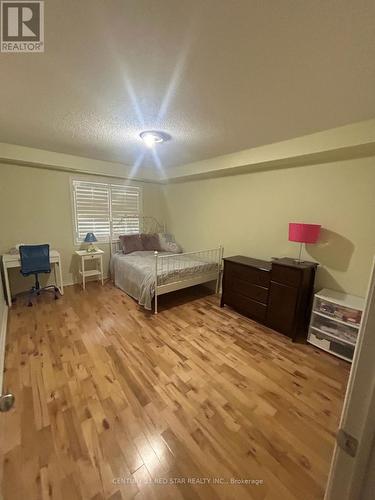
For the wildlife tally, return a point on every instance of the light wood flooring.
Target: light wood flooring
(113, 402)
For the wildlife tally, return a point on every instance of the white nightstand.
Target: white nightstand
(91, 256)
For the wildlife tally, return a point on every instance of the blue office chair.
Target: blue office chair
(35, 260)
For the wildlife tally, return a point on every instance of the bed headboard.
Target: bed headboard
(138, 225)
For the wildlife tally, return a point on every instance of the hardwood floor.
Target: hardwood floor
(113, 402)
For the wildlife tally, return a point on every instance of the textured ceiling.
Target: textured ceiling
(217, 75)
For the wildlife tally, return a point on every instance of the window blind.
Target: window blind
(101, 208)
(125, 209)
(92, 210)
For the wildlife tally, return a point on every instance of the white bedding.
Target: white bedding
(134, 273)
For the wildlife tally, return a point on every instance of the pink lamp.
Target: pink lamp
(303, 233)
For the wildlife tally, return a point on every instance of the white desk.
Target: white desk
(10, 260)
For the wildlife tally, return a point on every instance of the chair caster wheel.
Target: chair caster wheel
(56, 297)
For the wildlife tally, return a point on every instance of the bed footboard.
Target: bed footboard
(177, 271)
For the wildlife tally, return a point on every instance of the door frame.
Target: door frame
(347, 473)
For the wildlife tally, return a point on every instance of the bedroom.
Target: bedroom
(106, 399)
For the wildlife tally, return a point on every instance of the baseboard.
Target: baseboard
(3, 333)
(65, 283)
(79, 282)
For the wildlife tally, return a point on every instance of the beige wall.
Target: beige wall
(35, 207)
(249, 215)
(356, 140)
(369, 479)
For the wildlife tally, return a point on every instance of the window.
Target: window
(107, 210)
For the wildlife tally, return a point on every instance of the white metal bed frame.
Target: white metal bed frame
(166, 265)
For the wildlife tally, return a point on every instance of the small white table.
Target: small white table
(90, 256)
(14, 260)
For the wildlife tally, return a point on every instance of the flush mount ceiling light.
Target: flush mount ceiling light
(152, 137)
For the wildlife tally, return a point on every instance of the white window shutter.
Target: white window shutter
(107, 210)
(92, 210)
(125, 210)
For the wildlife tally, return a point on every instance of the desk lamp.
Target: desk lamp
(90, 238)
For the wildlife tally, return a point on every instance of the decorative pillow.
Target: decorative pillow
(150, 242)
(168, 243)
(131, 243)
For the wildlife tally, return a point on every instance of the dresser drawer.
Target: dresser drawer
(243, 287)
(246, 273)
(249, 307)
(285, 275)
(277, 294)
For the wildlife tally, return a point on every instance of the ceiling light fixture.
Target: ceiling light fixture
(152, 137)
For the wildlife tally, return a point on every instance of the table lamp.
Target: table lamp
(90, 238)
(303, 233)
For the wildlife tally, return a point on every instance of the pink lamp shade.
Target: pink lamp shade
(304, 233)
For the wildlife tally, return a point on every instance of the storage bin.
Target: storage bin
(335, 322)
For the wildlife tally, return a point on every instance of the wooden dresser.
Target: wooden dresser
(276, 293)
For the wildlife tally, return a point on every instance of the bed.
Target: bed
(144, 275)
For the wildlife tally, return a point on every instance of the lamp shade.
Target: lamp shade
(90, 238)
(304, 233)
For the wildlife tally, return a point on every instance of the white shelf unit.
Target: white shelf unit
(335, 322)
